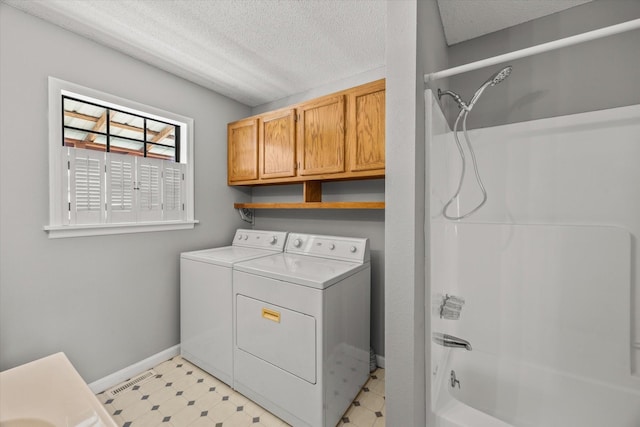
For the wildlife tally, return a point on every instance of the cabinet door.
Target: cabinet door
(321, 136)
(366, 129)
(242, 150)
(278, 144)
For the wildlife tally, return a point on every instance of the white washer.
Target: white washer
(206, 304)
(302, 328)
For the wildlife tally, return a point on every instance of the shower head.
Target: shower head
(500, 76)
(493, 80)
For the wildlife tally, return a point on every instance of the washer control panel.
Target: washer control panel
(340, 248)
(260, 239)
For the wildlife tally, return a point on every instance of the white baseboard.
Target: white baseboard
(133, 370)
(116, 378)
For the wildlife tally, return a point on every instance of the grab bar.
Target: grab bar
(450, 341)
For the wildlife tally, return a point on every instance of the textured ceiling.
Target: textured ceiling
(258, 51)
(467, 19)
(252, 51)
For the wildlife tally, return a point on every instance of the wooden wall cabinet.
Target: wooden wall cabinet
(321, 136)
(242, 151)
(336, 137)
(277, 142)
(366, 130)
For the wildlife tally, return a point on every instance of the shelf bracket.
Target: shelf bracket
(312, 191)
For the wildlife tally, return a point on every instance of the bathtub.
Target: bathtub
(497, 392)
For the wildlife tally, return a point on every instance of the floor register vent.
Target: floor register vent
(143, 377)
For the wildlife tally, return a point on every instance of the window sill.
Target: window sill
(63, 231)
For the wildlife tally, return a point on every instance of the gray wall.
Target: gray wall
(108, 301)
(415, 45)
(354, 223)
(591, 76)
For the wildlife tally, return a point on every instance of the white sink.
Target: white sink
(49, 392)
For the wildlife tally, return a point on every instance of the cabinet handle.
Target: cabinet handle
(272, 315)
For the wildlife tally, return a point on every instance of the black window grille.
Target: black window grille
(93, 126)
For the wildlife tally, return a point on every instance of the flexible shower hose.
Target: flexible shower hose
(463, 114)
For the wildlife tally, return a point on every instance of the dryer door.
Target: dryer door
(282, 337)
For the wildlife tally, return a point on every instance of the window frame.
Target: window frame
(57, 226)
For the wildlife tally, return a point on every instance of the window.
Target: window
(116, 166)
(96, 127)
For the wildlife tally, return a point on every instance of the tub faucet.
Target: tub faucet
(450, 341)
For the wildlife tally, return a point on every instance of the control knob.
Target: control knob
(273, 240)
(353, 249)
(297, 243)
(332, 246)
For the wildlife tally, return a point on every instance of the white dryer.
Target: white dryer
(302, 328)
(206, 303)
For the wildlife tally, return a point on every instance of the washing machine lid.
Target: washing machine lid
(303, 270)
(227, 256)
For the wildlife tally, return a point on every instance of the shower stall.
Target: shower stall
(534, 219)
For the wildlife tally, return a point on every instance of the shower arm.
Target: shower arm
(461, 104)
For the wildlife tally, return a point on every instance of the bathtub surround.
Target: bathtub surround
(547, 319)
(547, 274)
(577, 169)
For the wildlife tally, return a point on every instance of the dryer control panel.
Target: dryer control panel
(261, 239)
(351, 249)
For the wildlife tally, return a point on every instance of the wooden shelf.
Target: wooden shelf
(312, 199)
(311, 205)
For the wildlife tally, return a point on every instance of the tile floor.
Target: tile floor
(182, 395)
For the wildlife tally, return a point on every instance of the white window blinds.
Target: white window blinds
(149, 190)
(173, 177)
(120, 188)
(86, 195)
(116, 188)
